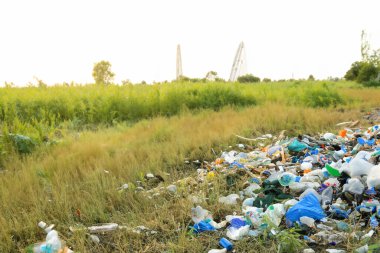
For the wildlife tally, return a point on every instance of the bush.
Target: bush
(372, 83)
(267, 80)
(23, 144)
(322, 96)
(248, 79)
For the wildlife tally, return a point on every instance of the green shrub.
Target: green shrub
(372, 83)
(248, 78)
(322, 96)
(23, 144)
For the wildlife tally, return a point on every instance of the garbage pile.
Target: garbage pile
(324, 191)
(326, 186)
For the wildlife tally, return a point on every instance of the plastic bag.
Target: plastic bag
(309, 206)
(297, 146)
(373, 179)
(254, 216)
(229, 200)
(311, 191)
(237, 223)
(237, 233)
(198, 214)
(203, 226)
(275, 213)
(353, 186)
(307, 221)
(359, 165)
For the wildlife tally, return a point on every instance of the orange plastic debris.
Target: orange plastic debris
(306, 171)
(343, 133)
(219, 161)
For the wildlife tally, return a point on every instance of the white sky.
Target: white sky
(59, 41)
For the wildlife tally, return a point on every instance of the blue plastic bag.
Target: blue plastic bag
(362, 142)
(203, 226)
(339, 212)
(237, 223)
(308, 206)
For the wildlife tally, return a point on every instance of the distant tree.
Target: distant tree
(368, 69)
(9, 85)
(311, 78)
(248, 78)
(353, 72)
(267, 80)
(102, 73)
(126, 82)
(211, 76)
(190, 80)
(218, 79)
(40, 83)
(367, 72)
(333, 79)
(368, 54)
(30, 84)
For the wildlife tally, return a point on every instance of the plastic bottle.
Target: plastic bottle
(218, 250)
(326, 196)
(225, 244)
(286, 178)
(343, 226)
(373, 222)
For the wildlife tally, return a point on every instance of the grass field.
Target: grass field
(42, 113)
(107, 136)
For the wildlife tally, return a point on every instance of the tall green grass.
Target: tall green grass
(41, 112)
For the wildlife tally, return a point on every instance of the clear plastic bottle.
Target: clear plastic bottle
(286, 178)
(373, 222)
(326, 196)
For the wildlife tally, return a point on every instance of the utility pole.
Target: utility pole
(239, 66)
(179, 73)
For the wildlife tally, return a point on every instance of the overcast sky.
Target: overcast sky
(59, 41)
